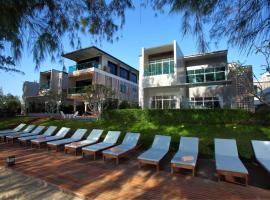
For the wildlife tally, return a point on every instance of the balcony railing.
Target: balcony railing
(83, 66)
(75, 90)
(44, 87)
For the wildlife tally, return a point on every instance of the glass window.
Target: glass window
(163, 102)
(123, 73)
(210, 77)
(157, 67)
(199, 71)
(204, 102)
(133, 77)
(113, 68)
(191, 79)
(166, 68)
(220, 76)
(199, 78)
(209, 70)
(123, 88)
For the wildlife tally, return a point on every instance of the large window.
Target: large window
(113, 68)
(123, 73)
(133, 78)
(157, 67)
(163, 102)
(204, 102)
(123, 88)
(206, 75)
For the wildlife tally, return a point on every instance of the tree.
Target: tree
(9, 104)
(41, 25)
(243, 23)
(96, 96)
(256, 89)
(53, 101)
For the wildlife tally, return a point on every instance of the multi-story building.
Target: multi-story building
(170, 80)
(93, 66)
(262, 85)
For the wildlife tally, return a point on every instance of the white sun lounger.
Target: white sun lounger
(77, 136)
(16, 129)
(158, 150)
(42, 140)
(187, 154)
(93, 137)
(28, 129)
(262, 153)
(14, 136)
(47, 133)
(109, 141)
(129, 143)
(227, 160)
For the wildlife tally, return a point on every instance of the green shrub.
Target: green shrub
(219, 116)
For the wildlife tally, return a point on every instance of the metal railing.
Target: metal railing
(75, 90)
(44, 87)
(83, 66)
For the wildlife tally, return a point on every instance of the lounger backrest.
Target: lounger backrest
(112, 137)
(62, 132)
(162, 142)
(261, 149)
(38, 129)
(29, 128)
(189, 144)
(226, 147)
(95, 135)
(19, 127)
(79, 133)
(131, 139)
(50, 131)
(62, 114)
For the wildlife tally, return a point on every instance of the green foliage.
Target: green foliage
(11, 122)
(9, 105)
(128, 105)
(220, 116)
(41, 25)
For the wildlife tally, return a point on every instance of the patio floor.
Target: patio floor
(95, 180)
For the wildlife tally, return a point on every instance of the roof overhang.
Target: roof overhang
(206, 55)
(159, 49)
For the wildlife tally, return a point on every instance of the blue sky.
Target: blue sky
(142, 29)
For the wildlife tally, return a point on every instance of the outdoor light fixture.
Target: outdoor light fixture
(10, 161)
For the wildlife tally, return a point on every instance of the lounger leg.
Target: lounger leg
(246, 180)
(103, 158)
(172, 171)
(193, 171)
(157, 167)
(76, 152)
(94, 156)
(140, 166)
(82, 153)
(117, 160)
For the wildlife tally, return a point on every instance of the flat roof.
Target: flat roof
(83, 54)
(206, 55)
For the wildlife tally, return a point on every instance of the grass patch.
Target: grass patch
(149, 126)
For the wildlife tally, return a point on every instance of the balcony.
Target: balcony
(44, 86)
(83, 66)
(75, 90)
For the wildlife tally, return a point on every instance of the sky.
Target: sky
(143, 28)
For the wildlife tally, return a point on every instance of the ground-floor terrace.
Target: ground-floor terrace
(86, 178)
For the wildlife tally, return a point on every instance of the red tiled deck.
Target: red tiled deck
(96, 180)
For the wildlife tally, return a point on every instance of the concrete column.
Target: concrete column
(85, 106)
(74, 106)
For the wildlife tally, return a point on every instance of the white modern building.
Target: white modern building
(170, 80)
(263, 88)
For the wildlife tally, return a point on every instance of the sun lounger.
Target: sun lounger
(228, 163)
(129, 143)
(16, 129)
(48, 132)
(262, 153)
(93, 137)
(77, 136)
(14, 136)
(43, 140)
(28, 129)
(159, 149)
(187, 155)
(109, 141)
